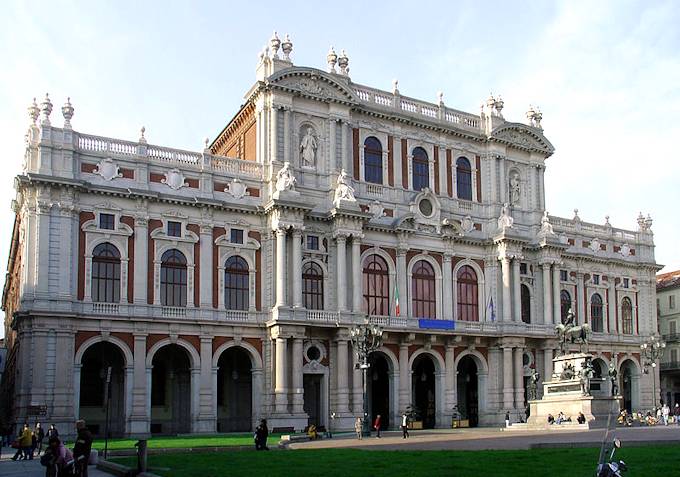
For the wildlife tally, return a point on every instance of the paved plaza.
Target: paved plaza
(495, 439)
(30, 468)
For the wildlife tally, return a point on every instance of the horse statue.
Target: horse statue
(570, 333)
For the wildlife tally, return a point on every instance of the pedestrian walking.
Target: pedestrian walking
(358, 427)
(82, 448)
(404, 425)
(40, 436)
(376, 426)
(665, 412)
(507, 419)
(676, 413)
(23, 444)
(52, 432)
(261, 435)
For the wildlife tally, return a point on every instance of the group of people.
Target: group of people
(659, 415)
(377, 426)
(28, 441)
(561, 417)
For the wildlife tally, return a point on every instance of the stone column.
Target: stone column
(519, 378)
(450, 391)
(357, 297)
(447, 285)
(404, 377)
(63, 375)
(516, 285)
(206, 285)
(548, 364)
(207, 407)
(557, 312)
(274, 153)
(357, 387)
(341, 272)
(39, 358)
(286, 134)
(611, 305)
(345, 148)
(507, 378)
(280, 267)
(298, 388)
(281, 387)
(547, 295)
(580, 294)
(332, 143)
(507, 302)
(297, 268)
(342, 370)
(140, 417)
(402, 284)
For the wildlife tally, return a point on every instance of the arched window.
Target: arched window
(565, 304)
(596, 313)
(463, 179)
(173, 278)
(312, 286)
(376, 283)
(236, 280)
(106, 273)
(423, 290)
(467, 294)
(526, 303)
(373, 164)
(421, 169)
(627, 316)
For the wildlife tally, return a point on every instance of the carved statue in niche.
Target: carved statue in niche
(514, 188)
(308, 147)
(285, 180)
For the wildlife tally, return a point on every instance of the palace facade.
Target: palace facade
(216, 288)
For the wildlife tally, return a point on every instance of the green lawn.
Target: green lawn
(185, 442)
(649, 460)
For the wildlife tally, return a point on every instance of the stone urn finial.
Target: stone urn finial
(498, 105)
(287, 47)
(67, 111)
(440, 97)
(275, 43)
(395, 86)
(46, 108)
(142, 139)
(34, 111)
(343, 63)
(332, 59)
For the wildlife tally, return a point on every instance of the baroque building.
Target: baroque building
(218, 286)
(668, 309)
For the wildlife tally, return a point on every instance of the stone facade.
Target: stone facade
(218, 286)
(668, 309)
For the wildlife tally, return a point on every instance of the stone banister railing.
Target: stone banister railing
(587, 228)
(105, 144)
(415, 107)
(166, 154)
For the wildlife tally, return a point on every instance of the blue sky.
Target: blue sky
(605, 74)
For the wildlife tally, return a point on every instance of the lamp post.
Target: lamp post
(366, 338)
(651, 352)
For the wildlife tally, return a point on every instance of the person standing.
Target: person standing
(358, 427)
(507, 419)
(24, 442)
(665, 412)
(261, 435)
(404, 425)
(52, 432)
(676, 413)
(39, 436)
(82, 448)
(376, 426)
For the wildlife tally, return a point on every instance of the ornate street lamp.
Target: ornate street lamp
(651, 352)
(366, 339)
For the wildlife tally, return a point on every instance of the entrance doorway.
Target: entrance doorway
(423, 389)
(378, 387)
(312, 398)
(171, 391)
(234, 391)
(467, 388)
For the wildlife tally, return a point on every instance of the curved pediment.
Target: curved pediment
(522, 137)
(312, 83)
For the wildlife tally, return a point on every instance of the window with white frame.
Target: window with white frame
(236, 236)
(107, 221)
(106, 273)
(174, 229)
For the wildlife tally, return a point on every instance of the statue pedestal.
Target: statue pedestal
(344, 204)
(286, 195)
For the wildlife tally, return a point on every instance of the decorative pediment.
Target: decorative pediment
(313, 83)
(522, 137)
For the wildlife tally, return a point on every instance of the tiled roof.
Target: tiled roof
(668, 280)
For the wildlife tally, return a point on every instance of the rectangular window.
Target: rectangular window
(523, 268)
(564, 276)
(107, 221)
(174, 229)
(671, 301)
(236, 236)
(674, 355)
(312, 242)
(672, 327)
(596, 279)
(626, 283)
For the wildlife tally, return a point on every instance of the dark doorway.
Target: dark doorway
(96, 361)
(234, 391)
(467, 388)
(171, 391)
(312, 398)
(378, 388)
(423, 389)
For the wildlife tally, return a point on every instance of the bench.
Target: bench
(283, 430)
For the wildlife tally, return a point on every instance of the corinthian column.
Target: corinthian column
(280, 267)
(547, 295)
(356, 274)
(507, 302)
(447, 300)
(342, 370)
(342, 272)
(281, 389)
(516, 284)
(557, 314)
(297, 268)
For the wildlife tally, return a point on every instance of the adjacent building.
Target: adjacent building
(668, 309)
(210, 289)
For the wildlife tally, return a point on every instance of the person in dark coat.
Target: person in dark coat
(261, 435)
(376, 425)
(39, 436)
(82, 448)
(52, 432)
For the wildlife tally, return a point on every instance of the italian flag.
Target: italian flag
(397, 311)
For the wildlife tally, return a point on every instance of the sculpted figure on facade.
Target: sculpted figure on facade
(546, 226)
(344, 189)
(236, 189)
(308, 147)
(505, 220)
(514, 188)
(285, 180)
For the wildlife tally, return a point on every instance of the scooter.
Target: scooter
(611, 468)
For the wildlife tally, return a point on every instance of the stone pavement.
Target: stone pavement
(494, 439)
(31, 468)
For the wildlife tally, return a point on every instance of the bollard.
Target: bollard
(141, 455)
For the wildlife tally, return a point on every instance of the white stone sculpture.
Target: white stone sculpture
(107, 169)
(505, 220)
(174, 179)
(308, 146)
(514, 188)
(236, 189)
(546, 226)
(376, 209)
(625, 250)
(595, 245)
(285, 180)
(467, 224)
(344, 189)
